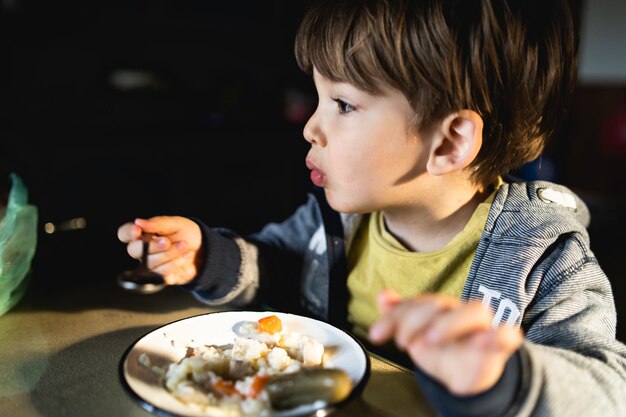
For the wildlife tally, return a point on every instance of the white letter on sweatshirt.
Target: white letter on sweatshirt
(488, 295)
(506, 303)
(514, 313)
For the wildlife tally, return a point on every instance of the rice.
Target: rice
(230, 379)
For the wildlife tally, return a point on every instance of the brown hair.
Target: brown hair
(511, 61)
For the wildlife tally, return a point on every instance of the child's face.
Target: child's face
(363, 150)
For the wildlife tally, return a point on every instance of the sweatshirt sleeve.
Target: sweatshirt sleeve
(261, 268)
(219, 273)
(496, 401)
(570, 363)
(535, 258)
(576, 365)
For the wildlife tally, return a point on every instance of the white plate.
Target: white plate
(169, 343)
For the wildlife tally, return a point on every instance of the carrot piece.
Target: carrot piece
(270, 324)
(258, 384)
(225, 387)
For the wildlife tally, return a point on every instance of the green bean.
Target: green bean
(307, 386)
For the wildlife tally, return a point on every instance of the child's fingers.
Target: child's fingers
(165, 253)
(387, 299)
(418, 317)
(135, 249)
(177, 271)
(188, 270)
(162, 225)
(155, 246)
(384, 329)
(169, 272)
(176, 228)
(505, 339)
(458, 323)
(407, 318)
(128, 232)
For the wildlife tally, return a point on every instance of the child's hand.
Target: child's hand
(172, 253)
(451, 341)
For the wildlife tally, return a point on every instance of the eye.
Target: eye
(343, 106)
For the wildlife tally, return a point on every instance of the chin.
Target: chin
(345, 204)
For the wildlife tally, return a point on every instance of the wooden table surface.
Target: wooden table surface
(60, 351)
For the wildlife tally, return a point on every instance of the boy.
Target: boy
(489, 287)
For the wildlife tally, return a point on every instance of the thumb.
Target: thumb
(162, 225)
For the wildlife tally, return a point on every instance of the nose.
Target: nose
(312, 132)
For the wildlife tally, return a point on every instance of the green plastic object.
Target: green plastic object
(18, 241)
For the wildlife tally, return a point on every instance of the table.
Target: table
(60, 351)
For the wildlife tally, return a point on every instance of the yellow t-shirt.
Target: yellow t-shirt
(377, 261)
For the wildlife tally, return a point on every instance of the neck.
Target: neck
(430, 223)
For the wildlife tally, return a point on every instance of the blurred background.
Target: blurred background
(118, 109)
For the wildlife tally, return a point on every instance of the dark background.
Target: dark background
(139, 108)
(118, 109)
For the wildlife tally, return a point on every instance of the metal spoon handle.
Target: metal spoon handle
(142, 279)
(145, 238)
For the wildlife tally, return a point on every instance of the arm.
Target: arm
(575, 365)
(568, 364)
(464, 365)
(263, 267)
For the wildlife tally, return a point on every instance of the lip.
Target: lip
(310, 165)
(317, 175)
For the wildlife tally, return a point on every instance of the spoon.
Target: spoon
(141, 279)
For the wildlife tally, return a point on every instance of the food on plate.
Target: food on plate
(270, 324)
(266, 368)
(307, 386)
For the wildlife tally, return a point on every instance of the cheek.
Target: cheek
(366, 182)
(356, 180)
(352, 165)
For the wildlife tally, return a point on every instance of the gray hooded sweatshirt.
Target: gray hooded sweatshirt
(533, 268)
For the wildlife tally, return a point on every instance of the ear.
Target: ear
(459, 138)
